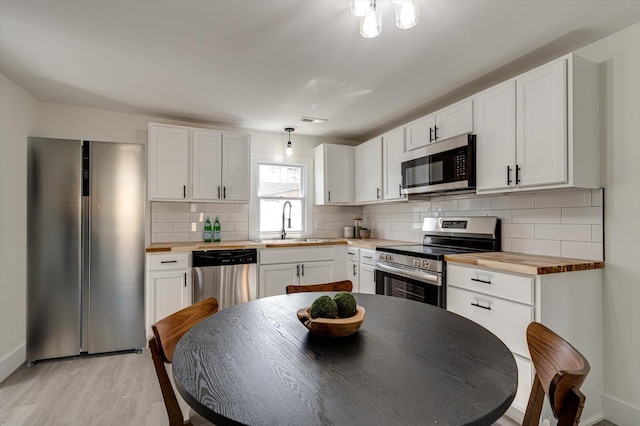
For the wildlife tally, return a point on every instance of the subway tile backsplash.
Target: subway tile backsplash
(560, 223)
(564, 223)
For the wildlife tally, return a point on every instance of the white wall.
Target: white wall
(17, 108)
(620, 58)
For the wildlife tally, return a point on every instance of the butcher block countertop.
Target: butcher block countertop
(369, 243)
(524, 263)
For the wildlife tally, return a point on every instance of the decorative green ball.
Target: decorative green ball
(324, 307)
(346, 304)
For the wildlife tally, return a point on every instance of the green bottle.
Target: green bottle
(216, 230)
(207, 231)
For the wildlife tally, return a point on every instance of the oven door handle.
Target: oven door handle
(431, 278)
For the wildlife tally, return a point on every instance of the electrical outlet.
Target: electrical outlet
(319, 224)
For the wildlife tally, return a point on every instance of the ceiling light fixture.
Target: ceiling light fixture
(289, 149)
(369, 11)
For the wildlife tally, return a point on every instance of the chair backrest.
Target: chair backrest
(166, 334)
(345, 285)
(560, 371)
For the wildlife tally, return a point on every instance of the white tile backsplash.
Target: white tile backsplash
(564, 223)
(551, 223)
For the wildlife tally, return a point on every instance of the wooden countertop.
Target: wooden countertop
(524, 263)
(369, 243)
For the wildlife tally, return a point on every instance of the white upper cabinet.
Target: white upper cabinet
(207, 168)
(496, 137)
(168, 166)
(333, 174)
(541, 126)
(369, 171)
(392, 151)
(446, 123)
(235, 167)
(197, 164)
(540, 130)
(454, 120)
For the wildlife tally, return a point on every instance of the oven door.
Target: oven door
(405, 283)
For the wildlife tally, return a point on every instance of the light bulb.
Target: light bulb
(407, 14)
(289, 149)
(371, 25)
(361, 8)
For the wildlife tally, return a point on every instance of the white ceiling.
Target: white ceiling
(263, 64)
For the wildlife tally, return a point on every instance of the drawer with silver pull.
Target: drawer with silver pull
(353, 254)
(508, 286)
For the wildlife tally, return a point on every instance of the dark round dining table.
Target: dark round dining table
(409, 364)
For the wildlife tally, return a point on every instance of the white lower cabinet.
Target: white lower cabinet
(353, 267)
(168, 285)
(367, 271)
(282, 267)
(569, 303)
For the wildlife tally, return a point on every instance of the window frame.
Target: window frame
(303, 198)
(307, 205)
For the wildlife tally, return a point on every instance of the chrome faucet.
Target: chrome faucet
(283, 234)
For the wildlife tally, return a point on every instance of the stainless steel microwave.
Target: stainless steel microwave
(441, 167)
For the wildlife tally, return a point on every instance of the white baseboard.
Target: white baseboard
(11, 362)
(620, 412)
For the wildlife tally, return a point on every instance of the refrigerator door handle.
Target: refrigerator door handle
(198, 284)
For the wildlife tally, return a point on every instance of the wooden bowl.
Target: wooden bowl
(328, 327)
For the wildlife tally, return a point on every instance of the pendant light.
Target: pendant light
(289, 149)
(361, 8)
(370, 13)
(407, 14)
(371, 24)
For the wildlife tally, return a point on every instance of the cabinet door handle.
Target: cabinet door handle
(517, 174)
(508, 175)
(399, 190)
(430, 134)
(302, 269)
(185, 279)
(224, 192)
(478, 280)
(368, 257)
(218, 193)
(329, 196)
(298, 271)
(184, 191)
(355, 272)
(435, 133)
(169, 261)
(377, 193)
(477, 305)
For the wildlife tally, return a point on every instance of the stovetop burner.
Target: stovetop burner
(424, 251)
(442, 236)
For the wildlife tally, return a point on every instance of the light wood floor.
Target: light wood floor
(98, 390)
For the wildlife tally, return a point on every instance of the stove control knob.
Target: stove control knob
(388, 257)
(425, 263)
(416, 263)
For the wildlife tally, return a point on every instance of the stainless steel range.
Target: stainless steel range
(418, 272)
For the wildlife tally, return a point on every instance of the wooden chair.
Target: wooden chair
(560, 371)
(166, 334)
(345, 285)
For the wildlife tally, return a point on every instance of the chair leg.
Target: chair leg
(170, 401)
(534, 406)
(572, 410)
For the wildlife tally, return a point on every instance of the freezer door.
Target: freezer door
(116, 247)
(53, 247)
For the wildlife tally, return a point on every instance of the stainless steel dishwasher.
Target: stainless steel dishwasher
(223, 274)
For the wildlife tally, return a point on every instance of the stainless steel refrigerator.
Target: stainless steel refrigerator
(85, 207)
